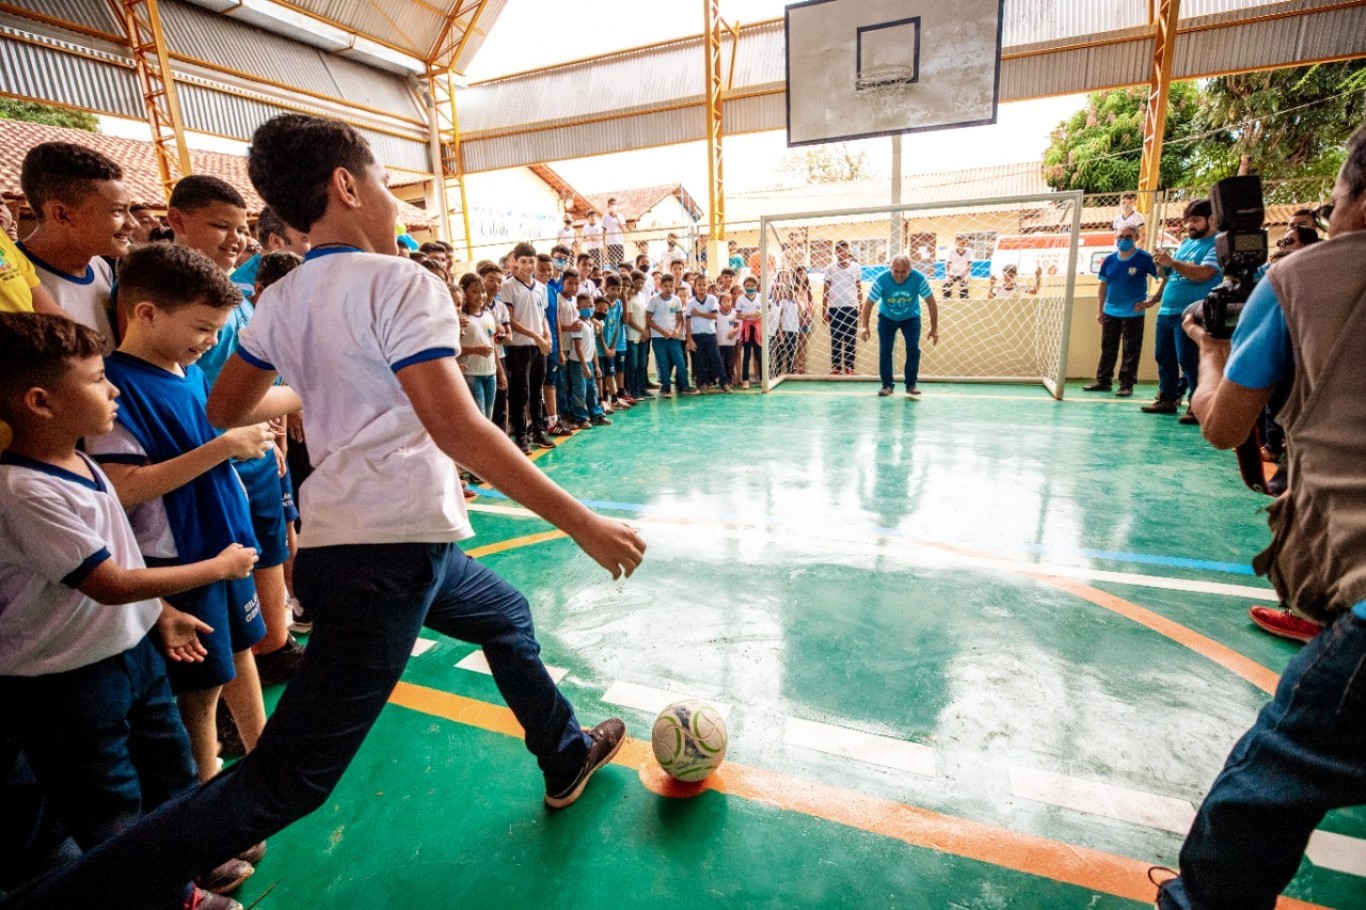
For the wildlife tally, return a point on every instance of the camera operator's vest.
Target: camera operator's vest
(1317, 557)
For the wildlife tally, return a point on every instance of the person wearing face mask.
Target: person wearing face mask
(1191, 273)
(749, 310)
(1121, 300)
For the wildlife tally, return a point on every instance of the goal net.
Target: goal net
(1002, 272)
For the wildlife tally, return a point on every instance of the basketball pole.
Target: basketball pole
(894, 239)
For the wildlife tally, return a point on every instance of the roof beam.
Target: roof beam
(449, 44)
(147, 41)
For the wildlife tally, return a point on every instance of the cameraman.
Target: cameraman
(1306, 752)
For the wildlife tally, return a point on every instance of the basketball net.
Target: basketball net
(882, 89)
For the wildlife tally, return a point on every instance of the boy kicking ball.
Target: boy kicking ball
(368, 341)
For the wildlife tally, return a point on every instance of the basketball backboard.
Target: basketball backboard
(860, 68)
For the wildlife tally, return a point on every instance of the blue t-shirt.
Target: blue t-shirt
(244, 276)
(1181, 292)
(615, 312)
(552, 299)
(611, 327)
(899, 301)
(1260, 355)
(216, 357)
(1126, 282)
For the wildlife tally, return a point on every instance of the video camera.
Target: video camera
(1241, 247)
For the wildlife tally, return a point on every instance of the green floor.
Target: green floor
(822, 555)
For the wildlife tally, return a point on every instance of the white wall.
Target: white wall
(506, 206)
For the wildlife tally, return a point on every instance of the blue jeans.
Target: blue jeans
(106, 744)
(886, 342)
(637, 366)
(1305, 754)
(1178, 359)
(669, 360)
(579, 381)
(369, 602)
(484, 389)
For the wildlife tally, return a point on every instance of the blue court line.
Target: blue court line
(1150, 559)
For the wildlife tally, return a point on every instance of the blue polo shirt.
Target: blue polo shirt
(899, 301)
(1181, 292)
(1126, 282)
(1260, 354)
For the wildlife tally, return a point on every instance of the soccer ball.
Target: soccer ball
(689, 740)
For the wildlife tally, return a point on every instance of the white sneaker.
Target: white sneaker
(299, 622)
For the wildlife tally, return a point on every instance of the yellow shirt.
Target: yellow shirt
(17, 278)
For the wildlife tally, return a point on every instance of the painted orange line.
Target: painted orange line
(1261, 677)
(1237, 664)
(513, 543)
(1084, 867)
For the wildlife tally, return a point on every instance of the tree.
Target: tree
(1099, 148)
(1280, 123)
(32, 112)
(834, 163)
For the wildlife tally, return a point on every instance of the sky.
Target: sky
(587, 27)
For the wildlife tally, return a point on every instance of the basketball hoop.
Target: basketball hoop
(884, 88)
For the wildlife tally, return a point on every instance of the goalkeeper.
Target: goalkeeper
(898, 293)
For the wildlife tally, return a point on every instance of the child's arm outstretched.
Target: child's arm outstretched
(142, 483)
(111, 584)
(442, 402)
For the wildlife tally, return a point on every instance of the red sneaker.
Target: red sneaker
(1284, 624)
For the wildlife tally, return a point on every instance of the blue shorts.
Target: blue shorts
(261, 478)
(233, 610)
(607, 364)
(552, 371)
(287, 497)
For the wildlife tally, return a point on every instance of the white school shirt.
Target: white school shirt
(526, 306)
(592, 236)
(726, 324)
(844, 283)
(959, 265)
(478, 332)
(86, 299)
(612, 228)
(698, 324)
(151, 525)
(1132, 220)
(635, 308)
(500, 319)
(662, 311)
(57, 527)
(587, 340)
(565, 237)
(566, 314)
(338, 329)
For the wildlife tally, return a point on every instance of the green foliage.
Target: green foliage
(1280, 123)
(835, 163)
(1098, 149)
(32, 112)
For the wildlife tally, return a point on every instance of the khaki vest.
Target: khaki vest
(1317, 557)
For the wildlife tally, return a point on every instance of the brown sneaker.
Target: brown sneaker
(1159, 406)
(253, 854)
(207, 900)
(607, 739)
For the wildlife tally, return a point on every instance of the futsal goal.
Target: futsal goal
(1003, 272)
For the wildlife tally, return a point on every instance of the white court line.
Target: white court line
(916, 553)
(1094, 798)
(1337, 852)
(422, 646)
(476, 662)
(865, 747)
(652, 700)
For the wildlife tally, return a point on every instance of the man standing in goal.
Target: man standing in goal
(841, 301)
(898, 293)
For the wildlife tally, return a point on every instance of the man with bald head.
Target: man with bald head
(898, 293)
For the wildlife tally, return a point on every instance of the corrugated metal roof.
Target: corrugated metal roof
(97, 16)
(198, 33)
(487, 17)
(89, 82)
(399, 22)
(211, 111)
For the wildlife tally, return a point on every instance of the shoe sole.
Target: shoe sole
(224, 889)
(561, 802)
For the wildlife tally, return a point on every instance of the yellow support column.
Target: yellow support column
(142, 26)
(716, 187)
(454, 166)
(1159, 84)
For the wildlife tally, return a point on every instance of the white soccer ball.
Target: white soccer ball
(689, 740)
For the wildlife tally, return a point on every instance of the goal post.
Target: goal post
(1002, 269)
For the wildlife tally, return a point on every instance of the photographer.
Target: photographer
(1306, 753)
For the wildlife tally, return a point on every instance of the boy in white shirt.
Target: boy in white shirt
(841, 301)
(664, 316)
(593, 239)
(703, 311)
(526, 350)
(958, 269)
(369, 344)
(81, 204)
(637, 338)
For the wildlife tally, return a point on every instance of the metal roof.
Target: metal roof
(653, 95)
